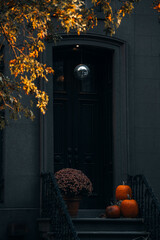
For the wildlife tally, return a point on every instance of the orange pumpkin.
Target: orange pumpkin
(129, 208)
(113, 211)
(123, 192)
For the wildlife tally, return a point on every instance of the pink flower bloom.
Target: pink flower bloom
(73, 182)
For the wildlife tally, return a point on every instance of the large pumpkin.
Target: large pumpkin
(113, 211)
(123, 192)
(129, 208)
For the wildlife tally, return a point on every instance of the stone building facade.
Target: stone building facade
(107, 125)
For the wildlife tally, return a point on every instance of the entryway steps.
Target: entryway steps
(108, 224)
(107, 236)
(96, 228)
(93, 227)
(113, 235)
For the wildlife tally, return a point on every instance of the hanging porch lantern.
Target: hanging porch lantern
(81, 71)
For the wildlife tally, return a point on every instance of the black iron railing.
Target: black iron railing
(53, 207)
(149, 206)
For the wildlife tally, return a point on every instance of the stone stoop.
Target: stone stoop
(89, 226)
(110, 229)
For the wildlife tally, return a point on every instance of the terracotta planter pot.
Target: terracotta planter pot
(72, 204)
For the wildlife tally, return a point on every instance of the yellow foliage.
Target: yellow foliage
(26, 24)
(157, 7)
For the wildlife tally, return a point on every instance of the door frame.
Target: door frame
(120, 103)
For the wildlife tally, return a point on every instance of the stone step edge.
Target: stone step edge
(100, 219)
(139, 233)
(109, 233)
(132, 220)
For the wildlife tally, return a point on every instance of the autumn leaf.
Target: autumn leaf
(157, 7)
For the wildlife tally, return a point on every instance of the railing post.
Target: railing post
(53, 207)
(149, 206)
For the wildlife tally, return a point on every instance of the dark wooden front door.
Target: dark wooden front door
(83, 118)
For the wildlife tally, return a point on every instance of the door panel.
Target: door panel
(60, 111)
(83, 119)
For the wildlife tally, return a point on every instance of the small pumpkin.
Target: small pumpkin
(129, 208)
(123, 192)
(113, 211)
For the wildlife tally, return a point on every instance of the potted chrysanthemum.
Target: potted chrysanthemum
(73, 184)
